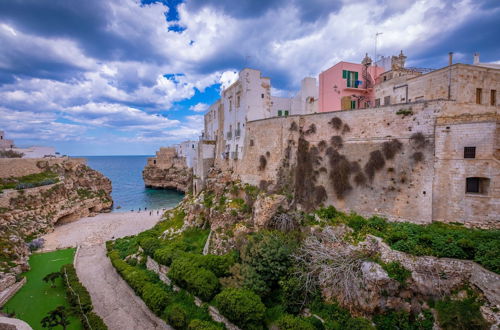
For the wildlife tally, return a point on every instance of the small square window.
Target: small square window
(477, 186)
(286, 112)
(280, 113)
(470, 152)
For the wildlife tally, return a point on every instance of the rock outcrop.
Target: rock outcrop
(28, 213)
(168, 171)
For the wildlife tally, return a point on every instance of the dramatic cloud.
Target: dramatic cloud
(108, 72)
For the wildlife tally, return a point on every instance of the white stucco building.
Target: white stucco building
(304, 102)
(188, 150)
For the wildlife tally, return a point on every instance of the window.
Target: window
(280, 113)
(154, 161)
(238, 101)
(353, 104)
(352, 78)
(493, 97)
(377, 103)
(251, 143)
(262, 96)
(479, 94)
(387, 100)
(477, 186)
(286, 112)
(192, 146)
(470, 152)
(230, 104)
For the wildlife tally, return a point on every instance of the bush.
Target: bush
(241, 306)
(404, 320)
(95, 321)
(155, 297)
(199, 281)
(460, 314)
(150, 245)
(176, 316)
(204, 325)
(290, 322)
(78, 288)
(396, 271)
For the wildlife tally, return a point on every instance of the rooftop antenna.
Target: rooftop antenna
(376, 39)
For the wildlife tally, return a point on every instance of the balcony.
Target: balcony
(229, 135)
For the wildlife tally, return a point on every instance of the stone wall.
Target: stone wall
(400, 189)
(379, 162)
(17, 167)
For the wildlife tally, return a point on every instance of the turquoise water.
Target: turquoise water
(129, 193)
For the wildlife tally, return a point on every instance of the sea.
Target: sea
(129, 192)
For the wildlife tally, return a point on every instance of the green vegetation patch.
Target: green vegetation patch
(36, 298)
(461, 314)
(435, 239)
(29, 181)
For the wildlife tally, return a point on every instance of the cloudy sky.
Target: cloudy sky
(98, 77)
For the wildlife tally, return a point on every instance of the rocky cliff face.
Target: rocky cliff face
(28, 213)
(178, 177)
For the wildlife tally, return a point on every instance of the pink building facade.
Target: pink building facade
(348, 86)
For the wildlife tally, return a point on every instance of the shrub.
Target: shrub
(203, 325)
(176, 316)
(95, 321)
(417, 156)
(396, 271)
(290, 322)
(336, 142)
(150, 245)
(404, 320)
(78, 289)
(460, 314)
(418, 140)
(199, 281)
(241, 306)
(155, 297)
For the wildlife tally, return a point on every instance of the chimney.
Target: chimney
(450, 58)
(476, 58)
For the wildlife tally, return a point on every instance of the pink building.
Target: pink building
(348, 86)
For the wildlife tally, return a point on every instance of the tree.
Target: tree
(52, 277)
(56, 317)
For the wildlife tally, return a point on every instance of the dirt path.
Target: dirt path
(112, 298)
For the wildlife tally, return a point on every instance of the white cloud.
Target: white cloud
(199, 107)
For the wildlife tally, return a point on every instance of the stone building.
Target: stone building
(348, 86)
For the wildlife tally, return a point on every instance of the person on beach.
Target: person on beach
(149, 213)
(139, 209)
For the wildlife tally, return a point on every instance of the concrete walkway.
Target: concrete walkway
(112, 298)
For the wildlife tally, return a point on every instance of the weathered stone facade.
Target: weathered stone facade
(402, 167)
(168, 171)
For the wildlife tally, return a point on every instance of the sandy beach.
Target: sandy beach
(99, 229)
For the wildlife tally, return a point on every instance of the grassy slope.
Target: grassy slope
(36, 297)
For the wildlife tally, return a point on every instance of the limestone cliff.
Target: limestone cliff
(32, 210)
(168, 171)
(178, 178)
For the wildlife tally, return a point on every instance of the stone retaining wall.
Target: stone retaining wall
(11, 291)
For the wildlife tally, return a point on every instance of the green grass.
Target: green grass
(29, 181)
(36, 298)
